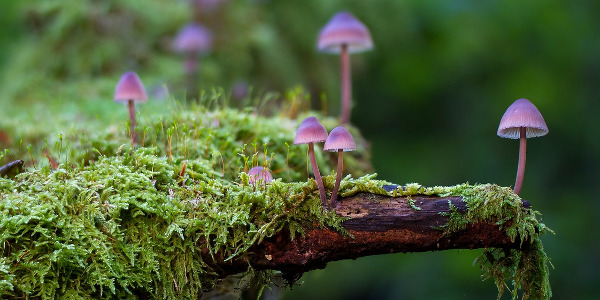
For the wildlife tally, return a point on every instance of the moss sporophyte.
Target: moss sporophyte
(114, 221)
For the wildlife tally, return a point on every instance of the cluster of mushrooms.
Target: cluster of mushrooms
(343, 34)
(339, 139)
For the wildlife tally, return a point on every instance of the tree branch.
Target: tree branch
(378, 225)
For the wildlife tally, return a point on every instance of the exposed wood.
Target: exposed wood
(378, 225)
(14, 166)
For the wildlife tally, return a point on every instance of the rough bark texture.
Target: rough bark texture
(378, 225)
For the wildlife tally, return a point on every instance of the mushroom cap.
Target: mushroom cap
(193, 38)
(310, 131)
(344, 28)
(130, 87)
(522, 113)
(259, 173)
(339, 138)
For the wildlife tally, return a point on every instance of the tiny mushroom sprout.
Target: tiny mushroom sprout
(130, 90)
(345, 34)
(259, 174)
(339, 140)
(522, 120)
(309, 132)
(191, 40)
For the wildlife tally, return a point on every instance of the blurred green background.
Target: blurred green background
(429, 97)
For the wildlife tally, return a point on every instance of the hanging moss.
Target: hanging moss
(526, 268)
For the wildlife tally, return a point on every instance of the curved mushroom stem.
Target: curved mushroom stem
(522, 156)
(338, 177)
(131, 105)
(346, 85)
(315, 167)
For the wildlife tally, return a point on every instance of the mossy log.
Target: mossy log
(124, 226)
(377, 224)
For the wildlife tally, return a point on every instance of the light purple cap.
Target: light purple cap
(344, 28)
(193, 38)
(130, 87)
(339, 138)
(522, 113)
(310, 131)
(258, 173)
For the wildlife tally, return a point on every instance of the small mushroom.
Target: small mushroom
(339, 140)
(522, 120)
(259, 174)
(130, 90)
(192, 40)
(309, 132)
(345, 34)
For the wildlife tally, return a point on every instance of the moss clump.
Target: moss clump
(224, 140)
(113, 221)
(527, 267)
(124, 226)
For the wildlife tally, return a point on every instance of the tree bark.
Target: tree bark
(378, 225)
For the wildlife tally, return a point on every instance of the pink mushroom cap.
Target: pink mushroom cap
(339, 138)
(344, 29)
(193, 38)
(522, 113)
(310, 131)
(130, 87)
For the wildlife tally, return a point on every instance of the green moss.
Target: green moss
(124, 224)
(411, 202)
(526, 268)
(113, 221)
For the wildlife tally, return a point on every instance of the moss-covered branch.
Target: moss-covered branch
(111, 222)
(377, 224)
(125, 225)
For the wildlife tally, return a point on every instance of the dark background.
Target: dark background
(429, 97)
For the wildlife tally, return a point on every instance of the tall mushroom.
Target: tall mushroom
(130, 90)
(339, 140)
(345, 34)
(309, 132)
(522, 120)
(192, 40)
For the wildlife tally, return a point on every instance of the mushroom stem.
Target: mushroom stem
(191, 63)
(131, 105)
(522, 157)
(315, 167)
(346, 85)
(191, 75)
(338, 177)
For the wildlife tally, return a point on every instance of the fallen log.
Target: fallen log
(376, 224)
